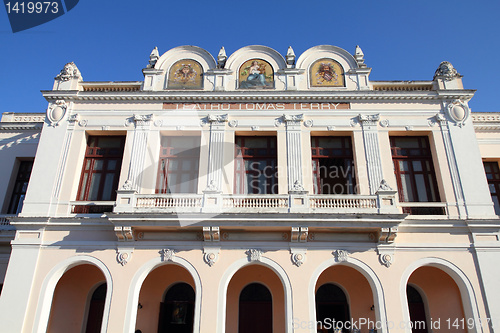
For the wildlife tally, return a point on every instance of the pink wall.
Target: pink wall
(153, 291)
(242, 278)
(443, 297)
(72, 293)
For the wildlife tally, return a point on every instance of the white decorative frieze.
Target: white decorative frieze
(56, 112)
(167, 254)
(254, 254)
(341, 255)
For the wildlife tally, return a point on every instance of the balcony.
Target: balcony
(383, 202)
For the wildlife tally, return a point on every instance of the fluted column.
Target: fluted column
(216, 152)
(294, 151)
(372, 150)
(139, 147)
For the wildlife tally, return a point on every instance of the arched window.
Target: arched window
(96, 309)
(177, 311)
(326, 73)
(331, 304)
(417, 310)
(255, 309)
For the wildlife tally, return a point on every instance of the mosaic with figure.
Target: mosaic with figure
(256, 74)
(326, 73)
(185, 74)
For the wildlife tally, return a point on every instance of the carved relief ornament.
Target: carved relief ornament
(458, 111)
(56, 112)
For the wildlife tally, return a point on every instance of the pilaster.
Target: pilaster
(372, 150)
(139, 147)
(294, 151)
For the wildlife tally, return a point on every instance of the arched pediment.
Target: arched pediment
(196, 53)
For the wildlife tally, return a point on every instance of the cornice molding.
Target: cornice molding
(264, 96)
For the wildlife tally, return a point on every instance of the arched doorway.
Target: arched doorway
(96, 309)
(255, 283)
(417, 310)
(177, 310)
(331, 304)
(342, 293)
(440, 296)
(73, 294)
(167, 301)
(255, 309)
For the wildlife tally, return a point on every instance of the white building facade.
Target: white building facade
(255, 192)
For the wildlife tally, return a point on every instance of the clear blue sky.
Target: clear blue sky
(110, 40)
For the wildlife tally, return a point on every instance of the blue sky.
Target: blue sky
(111, 40)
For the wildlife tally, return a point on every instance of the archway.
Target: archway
(342, 293)
(72, 301)
(96, 309)
(255, 279)
(440, 297)
(167, 301)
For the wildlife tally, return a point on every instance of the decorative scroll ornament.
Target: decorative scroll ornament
(368, 119)
(308, 123)
(123, 256)
(293, 118)
(446, 71)
(217, 118)
(341, 255)
(384, 123)
(56, 112)
(68, 72)
(167, 254)
(458, 111)
(297, 186)
(73, 118)
(386, 259)
(384, 186)
(254, 254)
(127, 186)
(142, 119)
(233, 123)
(212, 187)
(298, 258)
(211, 256)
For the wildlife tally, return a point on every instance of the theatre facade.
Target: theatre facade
(253, 192)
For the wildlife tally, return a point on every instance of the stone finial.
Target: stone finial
(221, 58)
(359, 56)
(69, 71)
(446, 71)
(153, 57)
(290, 57)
